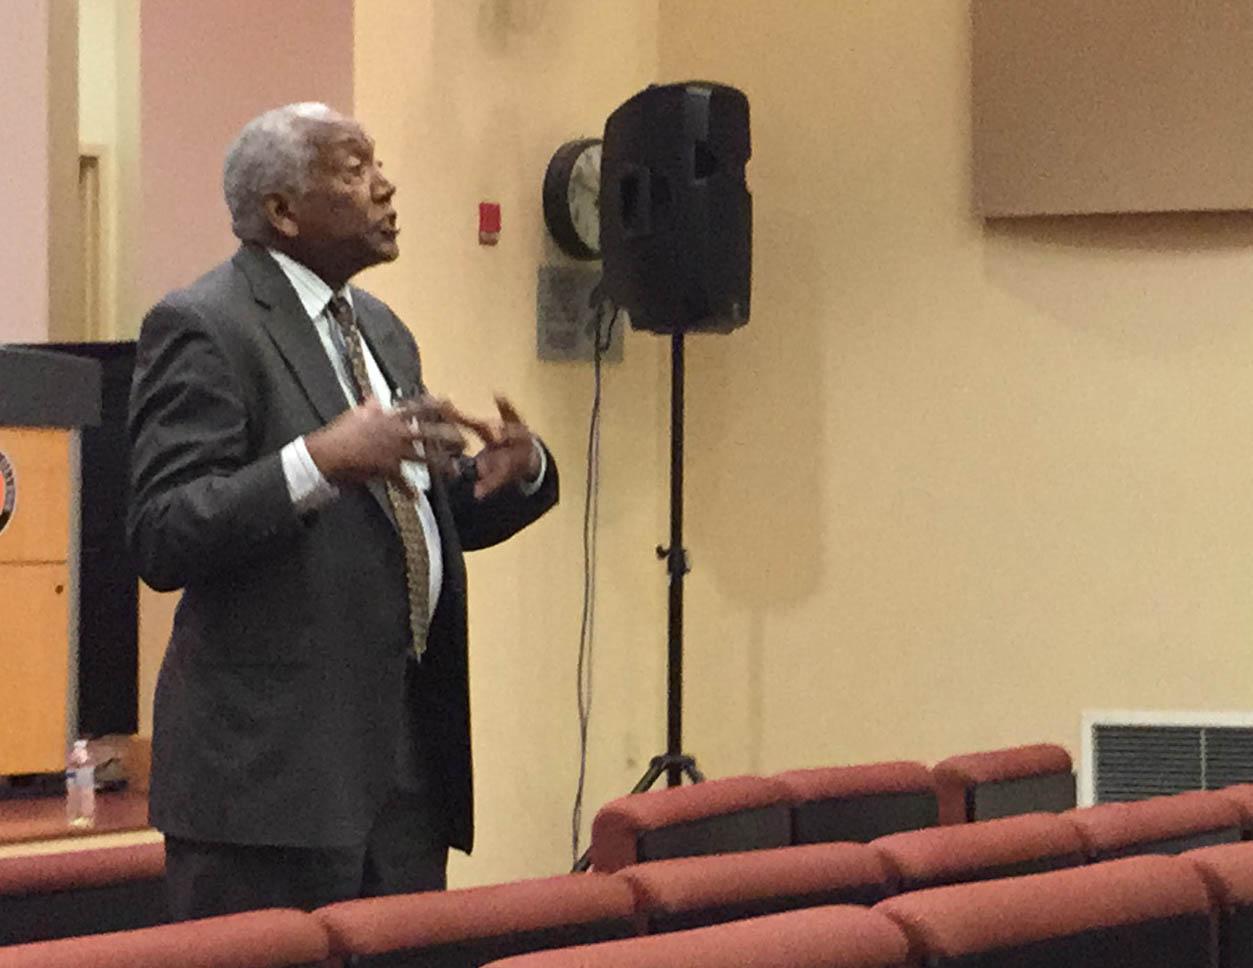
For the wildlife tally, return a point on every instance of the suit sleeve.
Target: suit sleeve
(481, 524)
(200, 502)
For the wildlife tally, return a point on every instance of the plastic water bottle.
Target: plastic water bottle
(80, 787)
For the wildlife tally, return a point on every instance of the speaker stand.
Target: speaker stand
(673, 763)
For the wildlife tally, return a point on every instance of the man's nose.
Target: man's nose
(383, 188)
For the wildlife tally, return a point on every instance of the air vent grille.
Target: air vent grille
(1136, 760)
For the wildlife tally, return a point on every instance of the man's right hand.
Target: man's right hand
(365, 442)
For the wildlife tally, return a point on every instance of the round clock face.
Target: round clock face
(572, 198)
(583, 197)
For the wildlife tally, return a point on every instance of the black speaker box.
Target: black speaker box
(676, 215)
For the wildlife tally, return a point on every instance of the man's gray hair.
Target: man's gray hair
(273, 153)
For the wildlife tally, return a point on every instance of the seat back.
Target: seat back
(1241, 795)
(49, 896)
(859, 803)
(472, 926)
(1150, 912)
(1228, 873)
(714, 817)
(827, 937)
(1159, 825)
(1003, 783)
(987, 850)
(692, 892)
(257, 939)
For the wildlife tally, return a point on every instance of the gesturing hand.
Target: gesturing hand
(509, 454)
(437, 426)
(361, 443)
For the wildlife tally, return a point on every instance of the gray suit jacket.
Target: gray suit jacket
(279, 701)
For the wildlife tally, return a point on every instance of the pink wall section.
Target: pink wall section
(24, 177)
(206, 69)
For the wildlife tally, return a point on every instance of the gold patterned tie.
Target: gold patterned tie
(403, 499)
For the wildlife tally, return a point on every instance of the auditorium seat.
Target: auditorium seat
(826, 937)
(859, 803)
(691, 892)
(1009, 847)
(1147, 912)
(1242, 796)
(50, 896)
(1228, 873)
(1159, 825)
(1002, 783)
(472, 926)
(715, 817)
(257, 939)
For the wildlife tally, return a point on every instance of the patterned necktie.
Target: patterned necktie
(417, 564)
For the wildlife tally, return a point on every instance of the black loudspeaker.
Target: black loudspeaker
(676, 217)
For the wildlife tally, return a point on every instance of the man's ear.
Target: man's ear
(279, 212)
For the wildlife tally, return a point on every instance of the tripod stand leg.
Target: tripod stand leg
(656, 767)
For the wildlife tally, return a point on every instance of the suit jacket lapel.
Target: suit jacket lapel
(387, 348)
(288, 325)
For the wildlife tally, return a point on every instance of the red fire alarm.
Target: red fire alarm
(489, 223)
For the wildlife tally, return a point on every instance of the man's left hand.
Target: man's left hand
(510, 454)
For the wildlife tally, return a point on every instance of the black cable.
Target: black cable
(591, 511)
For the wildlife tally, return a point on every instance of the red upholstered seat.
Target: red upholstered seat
(717, 816)
(475, 925)
(1242, 796)
(1011, 846)
(826, 937)
(1227, 870)
(1228, 873)
(695, 891)
(257, 939)
(999, 783)
(1143, 911)
(839, 782)
(1160, 825)
(859, 802)
(43, 873)
(80, 892)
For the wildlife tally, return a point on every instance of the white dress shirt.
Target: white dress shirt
(305, 483)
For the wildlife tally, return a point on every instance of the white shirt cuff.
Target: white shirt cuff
(306, 486)
(530, 487)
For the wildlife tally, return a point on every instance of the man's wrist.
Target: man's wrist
(322, 455)
(306, 485)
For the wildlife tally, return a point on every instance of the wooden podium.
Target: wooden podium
(44, 399)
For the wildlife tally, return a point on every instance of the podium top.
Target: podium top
(39, 388)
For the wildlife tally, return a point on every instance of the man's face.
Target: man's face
(344, 221)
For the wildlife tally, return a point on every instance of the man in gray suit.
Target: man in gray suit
(311, 735)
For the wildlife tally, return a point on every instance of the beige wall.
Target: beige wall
(23, 189)
(971, 479)
(467, 102)
(38, 102)
(248, 57)
(108, 96)
(65, 255)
